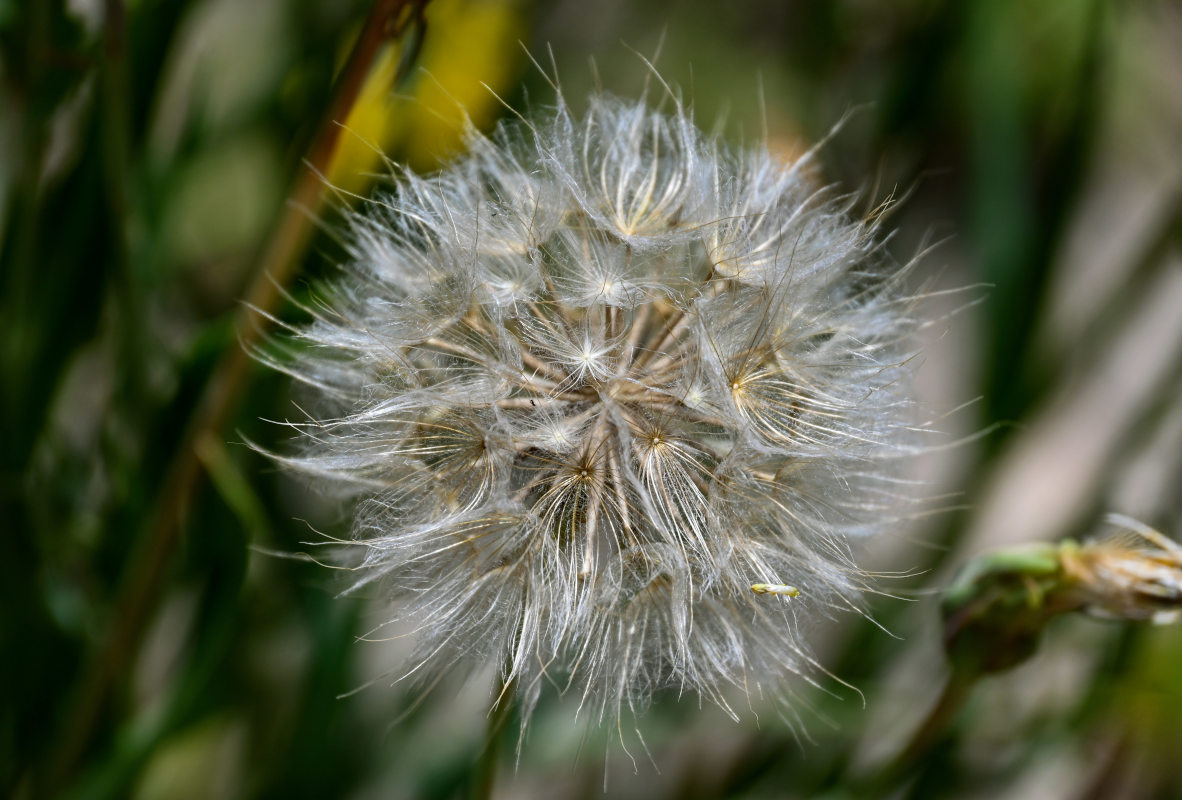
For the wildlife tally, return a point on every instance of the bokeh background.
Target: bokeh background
(156, 639)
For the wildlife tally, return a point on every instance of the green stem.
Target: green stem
(113, 134)
(952, 698)
(485, 774)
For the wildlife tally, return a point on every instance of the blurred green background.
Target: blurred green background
(154, 643)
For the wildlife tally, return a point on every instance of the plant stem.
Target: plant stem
(145, 575)
(485, 774)
(952, 697)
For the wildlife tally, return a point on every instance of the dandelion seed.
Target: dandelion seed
(596, 379)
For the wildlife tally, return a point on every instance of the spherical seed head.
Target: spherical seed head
(598, 380)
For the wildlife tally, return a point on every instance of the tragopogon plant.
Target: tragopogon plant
(614, 400)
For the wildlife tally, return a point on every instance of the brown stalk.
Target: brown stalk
(143, 579)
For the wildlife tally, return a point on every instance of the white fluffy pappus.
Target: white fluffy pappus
(613, 400)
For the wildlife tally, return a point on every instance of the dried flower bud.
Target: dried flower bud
(1133, 574)
(614, 401)
(1000, 602)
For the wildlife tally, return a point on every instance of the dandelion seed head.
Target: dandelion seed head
(613, 400)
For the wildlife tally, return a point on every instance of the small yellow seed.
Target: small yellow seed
(775, 588)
